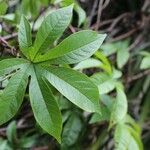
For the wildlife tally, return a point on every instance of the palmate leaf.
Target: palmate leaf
(77, 47)
(74, 86)
(44, 106)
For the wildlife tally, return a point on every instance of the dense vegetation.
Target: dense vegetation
(74, 74)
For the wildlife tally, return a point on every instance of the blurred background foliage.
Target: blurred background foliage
(120, 69)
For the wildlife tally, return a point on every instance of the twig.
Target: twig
(73, 30)
(18, 127)
(6, 44)
(103, 23)
(11, 36)
(138, 76)
(106, 4)
(135, 43)
(123, 36)
(145, 5)
(117, 20)
(100, 8)
(93, 12)
(41, 148)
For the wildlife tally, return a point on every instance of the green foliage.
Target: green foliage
(15, 142)
(72, 130)
(121, 48)
(81, 13)
(119, 109)
(127, 135)
(37, 67)
(24, 36)
(145, 64)
(41, 76)
(106, 82)
(3, 7)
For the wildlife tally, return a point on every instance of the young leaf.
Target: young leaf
(120, 106)
(77, 47)
(12, 96)
(122, 137)
(81, 14)
(74, 86)
(136, 138)
(108, 49)
(24, 36)
(126, 138)
(107, 102)
(104, 116)
(145, 64)
(51, 29)
(122, 57)
(106, 65)
(44, 106)
(8, 65)
(104, 82)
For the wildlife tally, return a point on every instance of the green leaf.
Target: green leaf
(119, 109)
(3, 7)
(8, 65)
(104, 116)
(4, 145)
(108, 49)
(122, 57)
(51, 29)
(71, 131)
(145, 111)
(11, 132)
(145, 64)
(24, 36)
(122, 137)
(133, 145)
(104, 82)
(106, 108)
(88, 63)
(12, 96)
(44, 105)
(81, 13)
(106, 65)
(28, 142)
(74, 86)
(136, 137)
(30, 8)
(77, 47)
